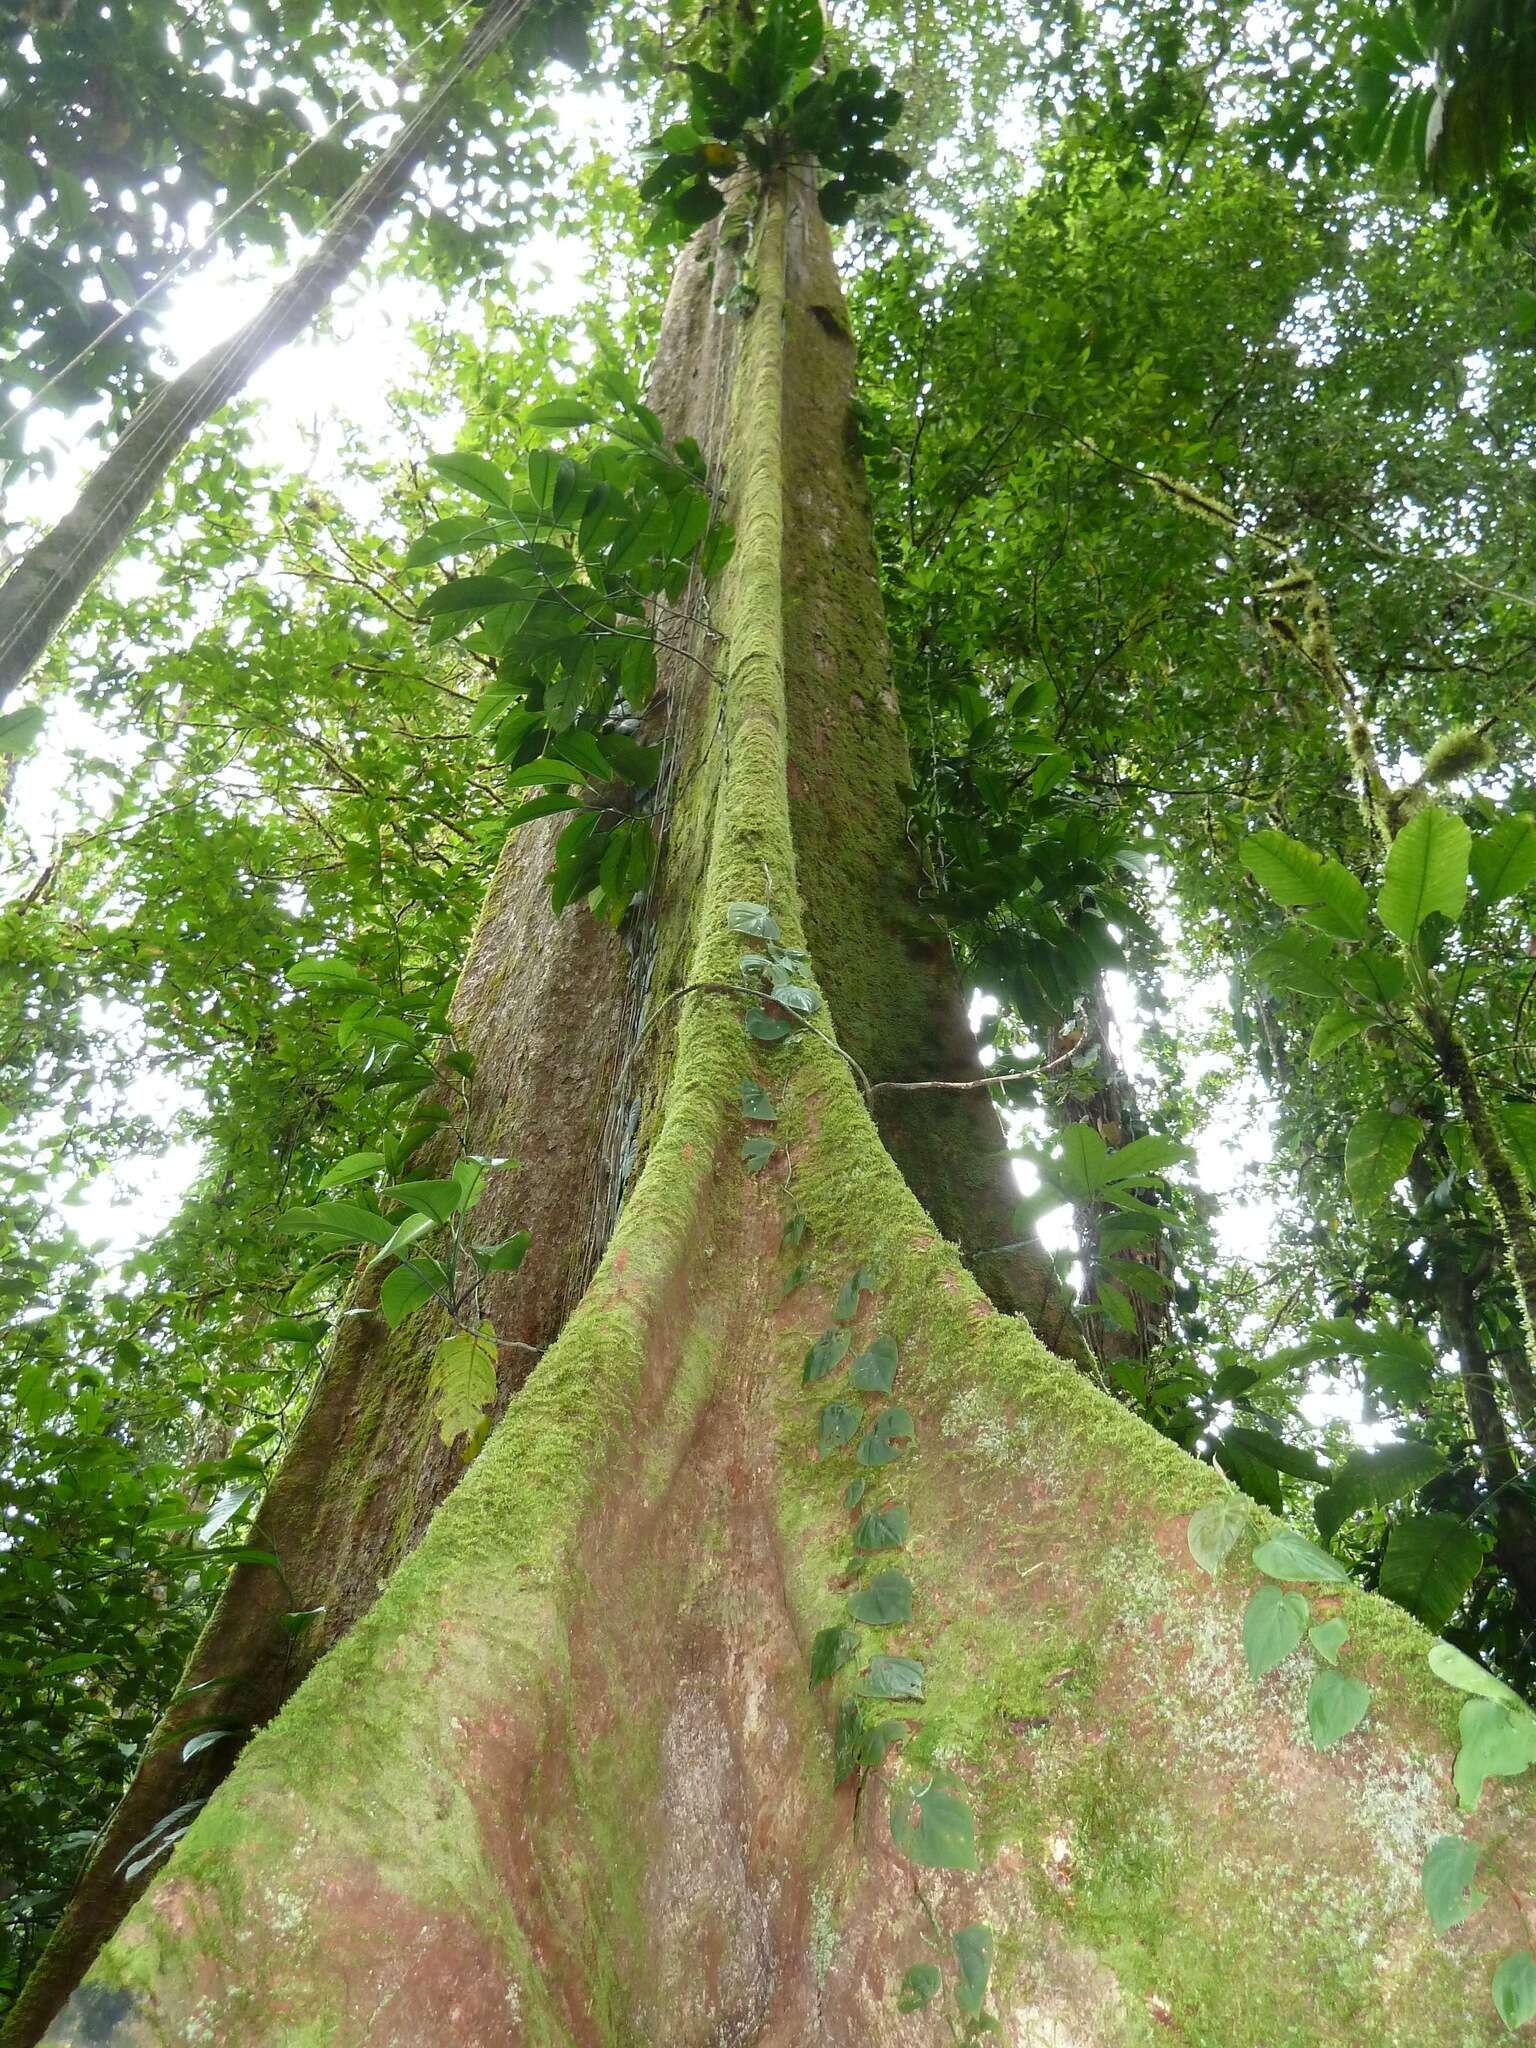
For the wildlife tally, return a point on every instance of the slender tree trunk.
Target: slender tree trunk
(567, 1781)
(55, 573)
(1111, 1109)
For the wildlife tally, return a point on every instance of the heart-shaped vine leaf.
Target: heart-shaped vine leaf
(840, 1424)
(874, 1370)
(824, 1356)
(885, 1601)
(919, 1988)
(1289, 1556)
(973, 1953)
(1328, 1638)
(756, 1153)
(1514, 1989)
(1214, 1529)
(1449, 1869)
(831, 1649)
(882, 1529)
(932, 1826)
(1274, 1622)
(892, 1678)
(846, 1307)
(1336, 1705)
(758, 1104)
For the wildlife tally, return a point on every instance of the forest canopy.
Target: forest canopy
(1197, 397)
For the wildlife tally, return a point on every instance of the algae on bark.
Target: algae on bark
(566, 1781)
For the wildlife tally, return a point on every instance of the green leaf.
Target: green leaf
(824, 1356)
(1426, 871)
(846, 1739)
(874, 1370)
(846, 1307)
(839, 1424)
(562, 412)
(973, 1953)
(1270, 1449)
(756, 1152)
(919, 1988)
(757, 1103)
(340, 1223)
(1336, 1705)
(1497, 1741)
(1328, 1638)
(892, 1432)
(474, 473)
(1429, 1566)
(1144, 1158)
(1374, 1479)
(1377, 1154)
(1289, 1556)
(405, 1290)
(884, 1602)
(932, 1826)
(1504, 859)
(1274, 1622)
(753, 919)
(830, 1651)
(1214, 1529)
(461, 1384)
(330, 974)
(20, 730)
(356, 1166)
(882, 1529)
(891, 1678)
(1449, 1868)
(439, 1199)
(1514, 1989)
(1325, 893)
(1456, 1668)
(505, 1257)
(765, 1029)
(854, 1492)
(1334, 1028)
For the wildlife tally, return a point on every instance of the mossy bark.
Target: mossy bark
(567, 1780)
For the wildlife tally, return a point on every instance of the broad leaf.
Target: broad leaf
(1497, 1741)
(892, 1678)
(882, 1529)
(1336, 1704)
(824, 1356)
(1289, 1556)
(885, 1601)
(1334, 1028)
(1504, 859)
(462, 1382)
(973, 1954)
(1377, 1154)
(1214, 1529)
(1325, 893)
(831, 1649)
(874, 1370)
(840, 1423)
(1426, 871)
(919, 1987)
(1429, 1566)
(1518, 1123)
(1449, 1868)
(1328, 1638)
(1274, 1622)
(1514, 1989)
(1374, 1479)
(932, 1826)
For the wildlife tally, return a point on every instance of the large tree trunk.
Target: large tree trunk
(552, 1011)
(58, 569)
(567, 1781)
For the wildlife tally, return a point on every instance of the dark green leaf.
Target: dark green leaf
(824, 1356)
(885, 1601)
(830, 1651)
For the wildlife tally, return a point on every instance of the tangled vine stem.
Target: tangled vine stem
(755, 995)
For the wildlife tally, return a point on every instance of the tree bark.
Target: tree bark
(55, 573)
(566, 1781)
